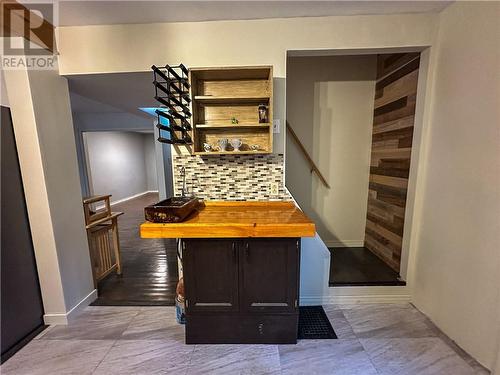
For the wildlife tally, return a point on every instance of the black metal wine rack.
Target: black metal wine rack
(171, 85)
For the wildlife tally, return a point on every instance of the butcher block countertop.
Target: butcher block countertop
(221, 219)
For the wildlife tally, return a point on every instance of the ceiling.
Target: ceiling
(112, 92)
(80, 13)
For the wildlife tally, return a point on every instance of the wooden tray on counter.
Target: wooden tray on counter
(172, 210)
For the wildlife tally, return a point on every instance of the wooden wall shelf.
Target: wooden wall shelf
(203, 126)
(258, 152)
(231, 99)
(221, 95)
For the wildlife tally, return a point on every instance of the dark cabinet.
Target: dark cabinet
(269, 269)
(241, 290)
(211, 272)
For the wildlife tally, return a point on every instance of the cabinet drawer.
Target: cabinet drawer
(241, 329)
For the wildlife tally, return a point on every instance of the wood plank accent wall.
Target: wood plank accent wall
(393, 119)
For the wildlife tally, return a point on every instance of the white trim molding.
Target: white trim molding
(112, 203)
(64, 318)
(133, 197)
(346, 243)
(353, 300)
(350, 295)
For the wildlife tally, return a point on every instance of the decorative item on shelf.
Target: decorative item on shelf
(172, 91)
(222, 144)
(262, 113)
(255, 147)
(236, 143)
(234, 120)
(207, 147)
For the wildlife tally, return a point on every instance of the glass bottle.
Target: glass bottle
(262, 113)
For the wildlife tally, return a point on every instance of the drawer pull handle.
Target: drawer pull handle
(269, 304)
(213, 304)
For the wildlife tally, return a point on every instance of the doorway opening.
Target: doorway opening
(118, 155)
(354, 117)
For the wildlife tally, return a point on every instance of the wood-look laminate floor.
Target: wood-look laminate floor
(149, 266)
(358, 266)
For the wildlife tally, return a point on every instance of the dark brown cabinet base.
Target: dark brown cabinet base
(241, 329)
(241, 291)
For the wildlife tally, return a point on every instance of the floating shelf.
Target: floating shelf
(258, 152)
(203, 99)
(235, 126)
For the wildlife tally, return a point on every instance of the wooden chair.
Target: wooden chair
(102, 232)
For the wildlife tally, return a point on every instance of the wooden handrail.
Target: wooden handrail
(313, 166)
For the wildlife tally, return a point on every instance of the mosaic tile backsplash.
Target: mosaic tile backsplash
(231, 177)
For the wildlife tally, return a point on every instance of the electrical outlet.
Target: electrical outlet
(276, 126)
(274, 188)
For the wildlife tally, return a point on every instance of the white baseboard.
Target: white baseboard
(133, 197)
(112, 203)
(346, 243)
(349, 295)
(381, 298)
(64, 318)
(353, 300)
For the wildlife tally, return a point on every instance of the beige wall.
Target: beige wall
(457, 262)
(330, 107)
(4, 100)
(41, 115)
(496, 368)
(126, 48)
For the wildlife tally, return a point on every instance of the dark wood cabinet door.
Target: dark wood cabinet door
(269, 270)
(211, 275)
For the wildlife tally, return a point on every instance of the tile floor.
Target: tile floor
(373, 339)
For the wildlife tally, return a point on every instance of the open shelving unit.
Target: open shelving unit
(220, 95)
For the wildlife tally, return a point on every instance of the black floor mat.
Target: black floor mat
(314, 324)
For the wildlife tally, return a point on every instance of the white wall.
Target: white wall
(43, 129)
(330, 107)
(119, 163)
(457, 260)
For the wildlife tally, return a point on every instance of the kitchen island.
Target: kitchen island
(241, 270)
